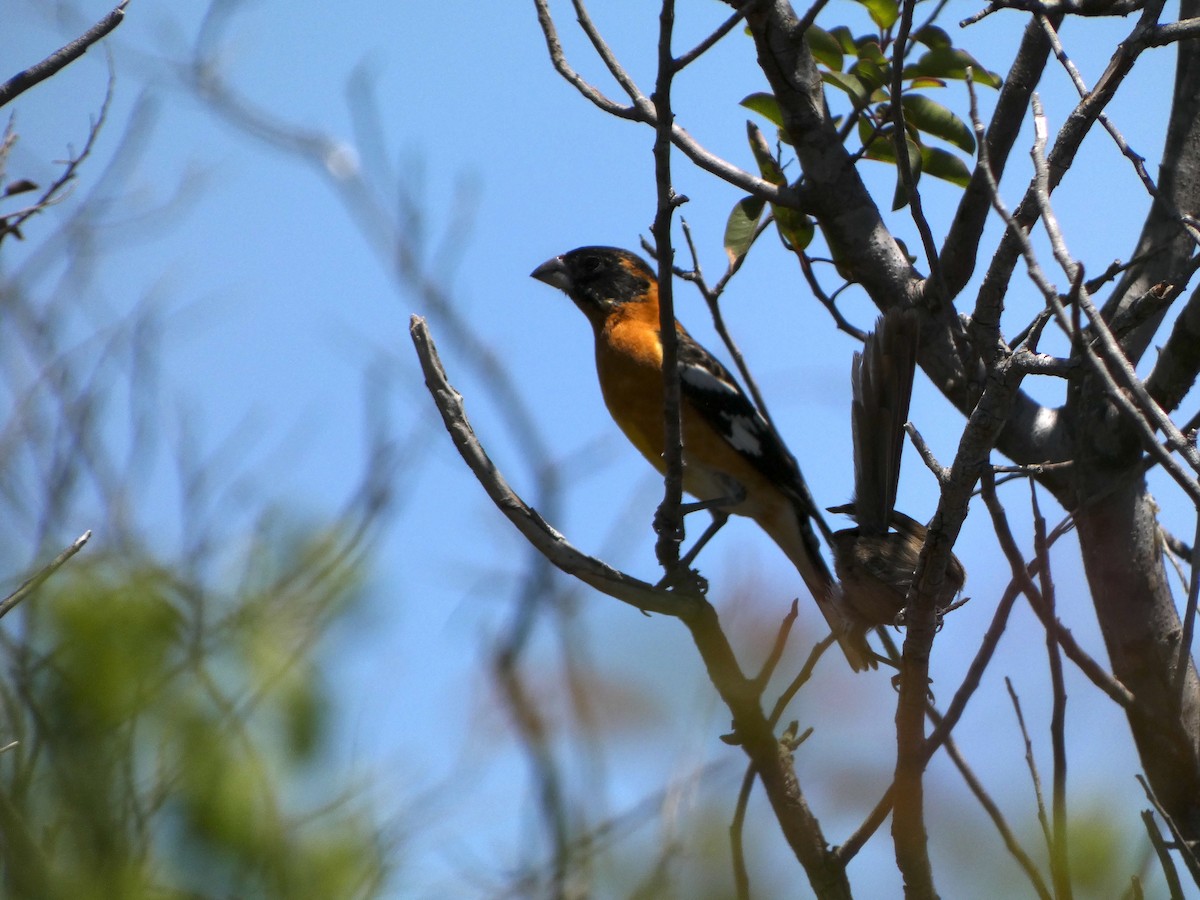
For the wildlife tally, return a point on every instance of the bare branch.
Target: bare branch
(12, 222)
(559, 60)
(1186, 851)
(705, 45)
(33, 583)
(1183, 30)
(61, 58)
(1059, 857)
(993, 811)
(1031, 764)
(1166, 864)
(1023, 579)
(1059, 8)
(549, 542)
(623, 78)
(668, 520)
(642, 110)
(1138, 161)
(940, 472)
(960, 249)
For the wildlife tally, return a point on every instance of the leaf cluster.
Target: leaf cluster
(862, 68)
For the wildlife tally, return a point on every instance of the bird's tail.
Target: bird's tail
(795, 536)
(882, 381)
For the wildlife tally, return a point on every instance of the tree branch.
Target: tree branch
(9, 603)
(62, 57)
(536, 530)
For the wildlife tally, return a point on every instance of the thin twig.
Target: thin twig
(34, 582)
(801, 678)
(1022, 577)
(1186, 852)
(643, 111)
(829, 301)
(707, 44)
(1114, 370)
(1060, 870)
(940, 472)
(1165, 863)
(1031, 764)
(741, 875)
(772, 660)
(993, 811)
(12, 222)
(1138, 161)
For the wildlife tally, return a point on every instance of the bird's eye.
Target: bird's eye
(589, 264)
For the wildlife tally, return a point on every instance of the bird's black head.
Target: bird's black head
(598, 278)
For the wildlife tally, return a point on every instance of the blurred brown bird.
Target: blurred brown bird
(874, 563)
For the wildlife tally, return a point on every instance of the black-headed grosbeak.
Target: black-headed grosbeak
(731, 456)
(874, 564)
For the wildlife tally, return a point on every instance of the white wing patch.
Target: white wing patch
(744, 434)
(706, 380)
(743, 427)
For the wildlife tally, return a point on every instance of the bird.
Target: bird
(733, 460)
(876, 560)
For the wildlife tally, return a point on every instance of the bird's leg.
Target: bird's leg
(733, 494)
(719, 518)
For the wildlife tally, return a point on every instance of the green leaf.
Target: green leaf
(842, 35)
(945, 165)
(933, 118)
(877, 144)
(946, 62)
(767, 164)
(741, 226)
(794, 227)
(766, 106)
(851, 84)
(933, 37)
(869, 51)
(824, 47)
(872, 67)
(884, 13)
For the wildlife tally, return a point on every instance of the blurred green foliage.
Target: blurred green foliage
(166, 735)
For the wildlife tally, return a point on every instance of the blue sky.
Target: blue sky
(273, 309)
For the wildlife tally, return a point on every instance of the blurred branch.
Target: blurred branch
(30, 585)
(61, 58)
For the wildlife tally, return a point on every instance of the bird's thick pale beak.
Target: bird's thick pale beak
(554, 273)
